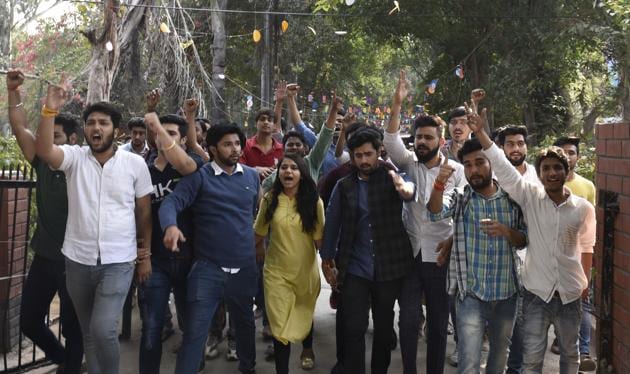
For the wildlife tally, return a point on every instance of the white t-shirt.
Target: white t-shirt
(101, 205)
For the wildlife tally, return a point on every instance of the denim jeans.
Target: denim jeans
(515, 358)
(98, 293)
(45, 278)
(429, 279)
(585, 329)
(153, 298)
(208, 285)
(473, 315)
(358, 294)
(537, 317)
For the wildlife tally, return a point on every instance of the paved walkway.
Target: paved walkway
(324, 346)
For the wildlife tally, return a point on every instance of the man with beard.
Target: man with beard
(459, 131)
(482, 277)
(138, 143)
(46, 275)
(513, 141)
(294, 142)
(428, 277)
(109, 223)
(223, 197)
(561, 235)
(364, 220)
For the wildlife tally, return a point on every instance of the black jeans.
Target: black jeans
(45, 278)
(357, 295)
(429, 279)
(283, 352)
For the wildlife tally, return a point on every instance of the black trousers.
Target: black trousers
(357, 294)
(45, 278)
(283, 352)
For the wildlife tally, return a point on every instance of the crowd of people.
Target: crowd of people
(463, 230)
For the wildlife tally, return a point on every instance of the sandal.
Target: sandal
(307, 360)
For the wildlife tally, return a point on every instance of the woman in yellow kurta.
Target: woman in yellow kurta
(293, 215)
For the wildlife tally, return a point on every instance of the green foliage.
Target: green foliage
(10, 153)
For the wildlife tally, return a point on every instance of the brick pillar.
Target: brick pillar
(14, 215)
(612, 251)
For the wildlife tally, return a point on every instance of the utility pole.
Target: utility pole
(266, 63)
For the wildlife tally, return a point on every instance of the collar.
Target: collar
(498, 194)
(218, 171)
(253, 142)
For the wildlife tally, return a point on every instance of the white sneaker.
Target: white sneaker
(231, 353)
(212, 347)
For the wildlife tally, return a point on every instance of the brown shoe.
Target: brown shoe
(587, 363)
(555, 347)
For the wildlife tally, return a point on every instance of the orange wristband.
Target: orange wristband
(48, 113)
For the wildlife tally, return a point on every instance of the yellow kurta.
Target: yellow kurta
(291, 273)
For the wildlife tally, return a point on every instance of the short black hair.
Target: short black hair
(204, 122)
(365, 135)
(104, 107)
(352, 128)
(460, 111)
(69, 122)
(341, 112)
(217, 132)
(180, 121)
(510, 130)
(573, 140)
(136, 122)
(293, 134)
(551, 152)
(470, 146)
(267, 112)
(426, 121)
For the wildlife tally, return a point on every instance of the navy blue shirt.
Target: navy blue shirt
(223, 207)
(361, 263)
(164, 183)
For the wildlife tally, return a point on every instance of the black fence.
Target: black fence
(17, 185)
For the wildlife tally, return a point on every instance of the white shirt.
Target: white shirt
(129, 148)
(557, 234)
(101, 205)
(423, 234)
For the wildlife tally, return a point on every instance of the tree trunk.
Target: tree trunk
(624, 80)
(6, 20)
(218, 61)
(102, 64)
(266, 68)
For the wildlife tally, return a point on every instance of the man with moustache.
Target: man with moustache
(364, 221)
(109, 223)
(138, 143)
(513, 141)
(561, 235)
(427, 276)
(223, 197)
(489, 227)
(262, 151)
(459, 131)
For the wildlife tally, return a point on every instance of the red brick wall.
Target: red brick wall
(13, 248)
(613, 174)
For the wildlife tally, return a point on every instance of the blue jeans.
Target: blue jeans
(537, 317)
(473, 315)
(585, 329)
(98, 293)
(515, 358)
(429, 279)
(208, 285)
(153, 298)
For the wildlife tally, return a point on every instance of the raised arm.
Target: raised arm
(402, 88)
(17, 115)
(173, 152)
(294, 115)
(190, 111)
(44, 144)
(436, 201)
(281, 96)
(348, 120)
